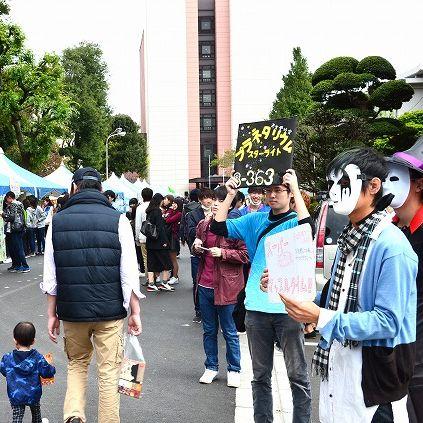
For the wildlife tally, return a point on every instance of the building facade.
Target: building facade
(206, 66)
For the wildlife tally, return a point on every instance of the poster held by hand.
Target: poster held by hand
(290, 260)
(264, 151)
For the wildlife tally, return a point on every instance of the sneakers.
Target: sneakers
(23, 269)
(173, 281)
(74, 420)
(234, 379)
(7, 260)
(141, 274)
(197, 318)
(12, 269)
(164, 286)
(44, 420)
(208, 376)
(158, 279)
(152, 288)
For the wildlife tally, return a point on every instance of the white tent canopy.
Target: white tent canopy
(115, 184)
(62, 176)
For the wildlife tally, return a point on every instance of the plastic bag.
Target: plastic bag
(132, 368)
(50, 380)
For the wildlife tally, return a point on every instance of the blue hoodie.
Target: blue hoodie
(23, 376)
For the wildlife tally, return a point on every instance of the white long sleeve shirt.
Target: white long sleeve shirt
(129, 274)
(140, 217)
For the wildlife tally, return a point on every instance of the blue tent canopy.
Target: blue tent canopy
(12, 174)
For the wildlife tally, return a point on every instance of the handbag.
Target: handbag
(149, 229)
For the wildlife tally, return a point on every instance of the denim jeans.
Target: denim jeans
(195, 261)
(18, 249)
(40, 234)
(211, 316)
(31, 239)
(262, 331)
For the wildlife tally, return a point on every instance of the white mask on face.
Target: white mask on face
(398, 184)
(346, 188)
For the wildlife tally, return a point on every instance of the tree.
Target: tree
(367, 88)
(293, 99)
(413, 120)
(33, 108)
(224, 161)
(85, 78)
(128, 153)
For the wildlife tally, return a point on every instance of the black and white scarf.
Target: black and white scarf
(356, 241)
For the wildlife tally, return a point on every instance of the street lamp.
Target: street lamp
(118, 132)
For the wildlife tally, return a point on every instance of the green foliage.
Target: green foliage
(385, 127)
(391, 95)
(225, 161)
(128, 153)
(322, 90)
(293, 99)
(333, 68)
(377, 66)
(413, 120)
(85, 77)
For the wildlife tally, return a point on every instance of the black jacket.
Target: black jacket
(193, 219)
(87, 254)
(155, 217)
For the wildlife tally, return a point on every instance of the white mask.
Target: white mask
(346, 188)
(398, 184)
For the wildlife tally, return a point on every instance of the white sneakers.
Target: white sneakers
(173, 281)
(208, 376)
(44, 420)
(234, 379)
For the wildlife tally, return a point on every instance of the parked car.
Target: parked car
(329, 226)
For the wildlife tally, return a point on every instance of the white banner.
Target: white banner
(290, 259)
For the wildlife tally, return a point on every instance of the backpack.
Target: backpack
(18, 223)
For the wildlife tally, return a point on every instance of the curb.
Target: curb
(282, 398)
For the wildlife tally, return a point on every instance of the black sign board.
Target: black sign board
(264, 151)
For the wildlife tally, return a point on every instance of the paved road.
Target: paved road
(172, 345)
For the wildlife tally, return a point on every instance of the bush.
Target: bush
(413, 120)
(377, 66)
(321, 90)
(385, 127)
(333, 68)
(390, 95)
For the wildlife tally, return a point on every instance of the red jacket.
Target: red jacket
(173, 219)
(227, 272)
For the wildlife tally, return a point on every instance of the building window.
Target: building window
(208, 123)
(207, 73)
(206, 49)
(207, 98)
(206, 25)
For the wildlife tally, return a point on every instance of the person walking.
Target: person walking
(173, 219)
(140, 217)
(265, 321)
(131, 215)
(13, 215)
(158, 260)
(220, 279)
(91, 281)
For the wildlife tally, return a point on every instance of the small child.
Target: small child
(23, 368)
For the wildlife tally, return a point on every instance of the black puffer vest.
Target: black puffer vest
(87, 255)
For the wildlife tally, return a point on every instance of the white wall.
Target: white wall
(166, 91)
(416, 103)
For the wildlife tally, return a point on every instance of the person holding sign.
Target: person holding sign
(264, 320)
(368, 323)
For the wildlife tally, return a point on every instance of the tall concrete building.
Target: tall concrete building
(206, 66)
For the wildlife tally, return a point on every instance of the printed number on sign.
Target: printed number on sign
(256, 178)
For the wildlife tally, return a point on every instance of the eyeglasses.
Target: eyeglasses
(276, 190)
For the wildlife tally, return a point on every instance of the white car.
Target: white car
(329, 226)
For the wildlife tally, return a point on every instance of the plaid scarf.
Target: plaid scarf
(356, 241)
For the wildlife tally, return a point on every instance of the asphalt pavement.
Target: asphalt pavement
(171, 342)
(172, 346)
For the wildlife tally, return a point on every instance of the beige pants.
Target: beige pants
(144, 256)
(81, 339)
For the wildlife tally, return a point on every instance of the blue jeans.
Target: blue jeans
(195, 261)
(262, 331)
(211, 315)
(31, 239)
(18, 249)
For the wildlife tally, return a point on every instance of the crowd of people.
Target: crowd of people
(369, 315)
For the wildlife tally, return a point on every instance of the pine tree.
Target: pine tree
(294, 99)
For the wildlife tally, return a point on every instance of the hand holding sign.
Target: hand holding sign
(232, 185)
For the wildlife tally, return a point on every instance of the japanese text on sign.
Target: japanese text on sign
(264, 151)
(290, 259)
